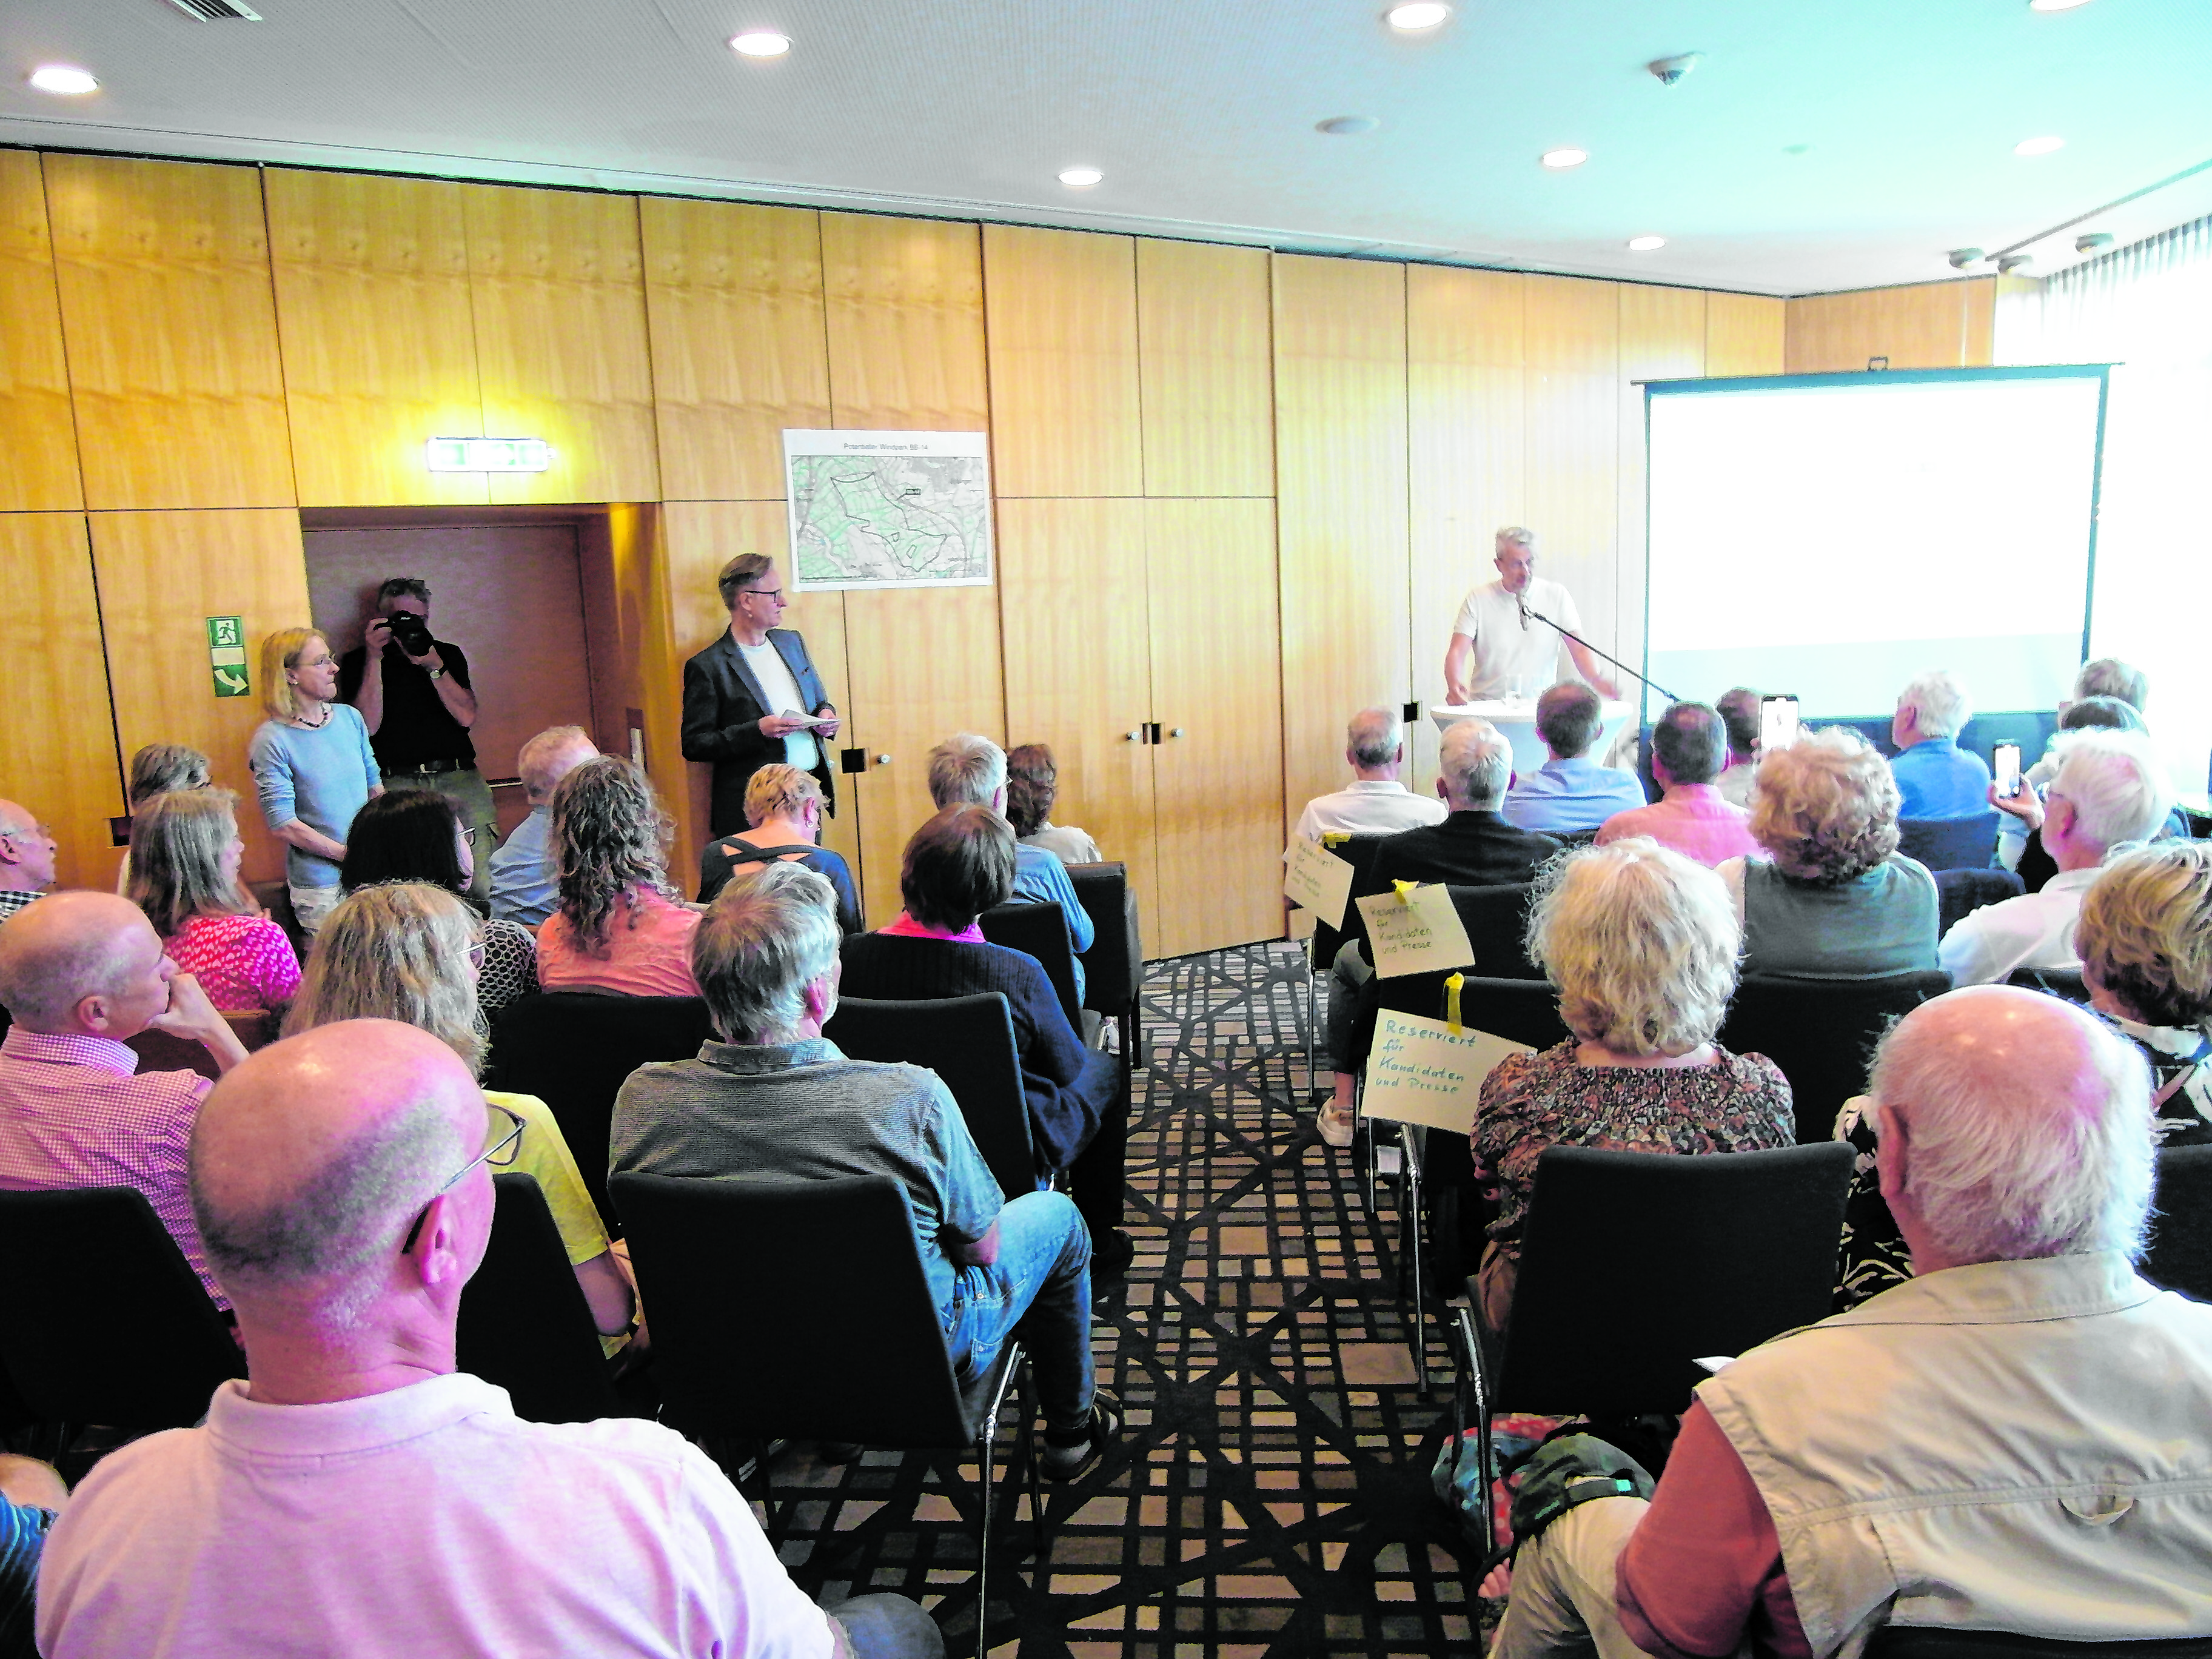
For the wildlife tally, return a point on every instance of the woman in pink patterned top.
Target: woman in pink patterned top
(185, 849)
(619, 925)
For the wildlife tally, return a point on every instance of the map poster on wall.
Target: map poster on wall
(889, 509)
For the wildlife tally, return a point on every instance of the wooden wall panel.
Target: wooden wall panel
(161, 575)
(1060, 309)
(1744, 334)
(733, 294)
(38, 433)
(1219, 771)
(1078, 675)
(1205, 352)
(57, 758)
(379, 342)
(1341, 515)
(1662, 338)
(1921, 326)
(556, 280)
(170, 325)
(1572, 410)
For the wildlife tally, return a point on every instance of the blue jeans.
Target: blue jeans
(1039, 1289)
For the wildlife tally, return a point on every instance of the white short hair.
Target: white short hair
(1374, 736)
(1940, 703)
(1477, 763)
(966, 770)
(2000, 1174)
(2114, 780)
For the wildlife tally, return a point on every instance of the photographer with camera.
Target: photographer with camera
(412, 692)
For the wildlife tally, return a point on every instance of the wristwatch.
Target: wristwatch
(435, 673)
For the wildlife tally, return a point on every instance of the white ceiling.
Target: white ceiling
(1822, 144)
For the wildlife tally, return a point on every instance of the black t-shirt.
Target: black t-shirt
(417, 726)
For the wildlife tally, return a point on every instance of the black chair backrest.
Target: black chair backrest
(1960, 893)
(1114, 966)
(101, 1319)
(1950, 843)
(1358, 851)
(1518, 1009)
(524, 1323)
(2065, 982)
(1634, 1265)
(1040, 931)
(1931, 1642)
(968, 1042)
(1821, 1032)
(857, 1352)
(1496, 923)
(2180, 1256)
(573, 1050)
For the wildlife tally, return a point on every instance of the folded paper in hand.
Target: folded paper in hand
(1315, 879)
(1419, 1072)
(1419, 932)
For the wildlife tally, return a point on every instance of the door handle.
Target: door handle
(883, 760)
(1176, 733)
(1136, 736)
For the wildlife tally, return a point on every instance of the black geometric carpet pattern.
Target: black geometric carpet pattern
(1270, 1496)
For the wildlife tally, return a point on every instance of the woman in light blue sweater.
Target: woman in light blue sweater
(312, 767)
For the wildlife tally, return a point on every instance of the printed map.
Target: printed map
(888, 519)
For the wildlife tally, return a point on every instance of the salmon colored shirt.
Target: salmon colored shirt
(648, 952)
(1693, 820)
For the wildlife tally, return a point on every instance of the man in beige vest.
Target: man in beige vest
(2014, 1440)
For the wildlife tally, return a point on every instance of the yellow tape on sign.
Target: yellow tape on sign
(1334, 837)
(1404, 891)
(1452, 983)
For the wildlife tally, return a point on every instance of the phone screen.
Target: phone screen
(1777, 722)
(2005, 763)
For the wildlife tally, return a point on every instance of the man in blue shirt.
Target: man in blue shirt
(1571, 793)
(1936, 778)
(966, 770)
(525, 887)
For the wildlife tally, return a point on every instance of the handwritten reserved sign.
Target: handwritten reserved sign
(1315, 879)
(1419, 933)
(1419, 1072)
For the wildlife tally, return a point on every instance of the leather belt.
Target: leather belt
(431, 769)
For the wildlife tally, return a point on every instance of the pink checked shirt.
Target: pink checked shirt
(76, 1111)
(1693, 820)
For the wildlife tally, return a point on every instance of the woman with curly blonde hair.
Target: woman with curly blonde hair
(2145, 938)
(619, 925)
(1641, 942)
(1833, 898)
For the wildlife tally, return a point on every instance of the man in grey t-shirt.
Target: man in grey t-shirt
(777, 1101)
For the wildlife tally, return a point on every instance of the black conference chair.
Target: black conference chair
(1821, 1032)
(1114, 966)
(1928, 1642)
(573, 1050)
(101, 1319)
(968, 1042)
(1634, 1265)
(2180, 1256)
(839, 1342)
(1960, 893)
(524, 1323)
(1950, 843)
(1358, 851)
(1039, 931)
(2065, 982)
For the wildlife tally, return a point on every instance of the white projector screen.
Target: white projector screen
(1831, 536)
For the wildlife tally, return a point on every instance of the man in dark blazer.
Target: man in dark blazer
(746, 696)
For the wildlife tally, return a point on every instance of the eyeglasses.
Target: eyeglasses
(468, 834)
(499, 1155)
(765, 593)
(36, 832)
(477, 956)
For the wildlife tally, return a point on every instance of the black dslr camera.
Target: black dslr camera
(412, 633)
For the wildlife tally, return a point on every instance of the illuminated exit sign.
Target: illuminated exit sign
(488, 454)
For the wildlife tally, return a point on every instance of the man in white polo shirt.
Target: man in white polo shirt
(1498, 643)
(1375, 803)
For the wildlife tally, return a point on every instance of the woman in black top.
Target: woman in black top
(783, 813)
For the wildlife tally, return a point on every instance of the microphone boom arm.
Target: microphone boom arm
(1570, 633)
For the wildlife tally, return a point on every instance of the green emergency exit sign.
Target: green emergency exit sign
(226, 656)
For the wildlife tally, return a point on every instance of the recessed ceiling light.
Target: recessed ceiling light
(2042, 146)
(1080, 177)
(1645, 244)
(2055, 5)
(1347, 126)
(1559, 160)
(1416, 15)
(64, 78)
(761, 42)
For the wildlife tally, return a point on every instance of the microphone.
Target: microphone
(1520, 599)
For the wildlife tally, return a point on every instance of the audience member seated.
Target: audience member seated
(2108, 677)
(1570, 793)
(185, 877)
(619, 927)
(312, 767)
(1834, 899)
(2110, 789)
(958, 865)
(357, 1495)
(82, 973)
(525, 885)
(967, 770)
(157, 769)
(408, 950)
(1739, 711)
(1689, 746)
(1472, 847)
(1642, 944)
(1033, 790)
(418, 835)
(2145, 937)
(27, 858)
(1954, 1455)
(2020, 849)
(31, 1495)
(775, 1100)
(1375, 803)
(783, 815)
(1936, 778)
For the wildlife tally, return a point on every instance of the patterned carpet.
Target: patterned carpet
(1271, 1497)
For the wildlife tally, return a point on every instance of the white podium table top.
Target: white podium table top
(1516, 718)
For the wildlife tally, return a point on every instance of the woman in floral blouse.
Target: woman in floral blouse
(185, 853)
(1642, 944)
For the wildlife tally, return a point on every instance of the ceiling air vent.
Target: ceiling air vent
(217, 11)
